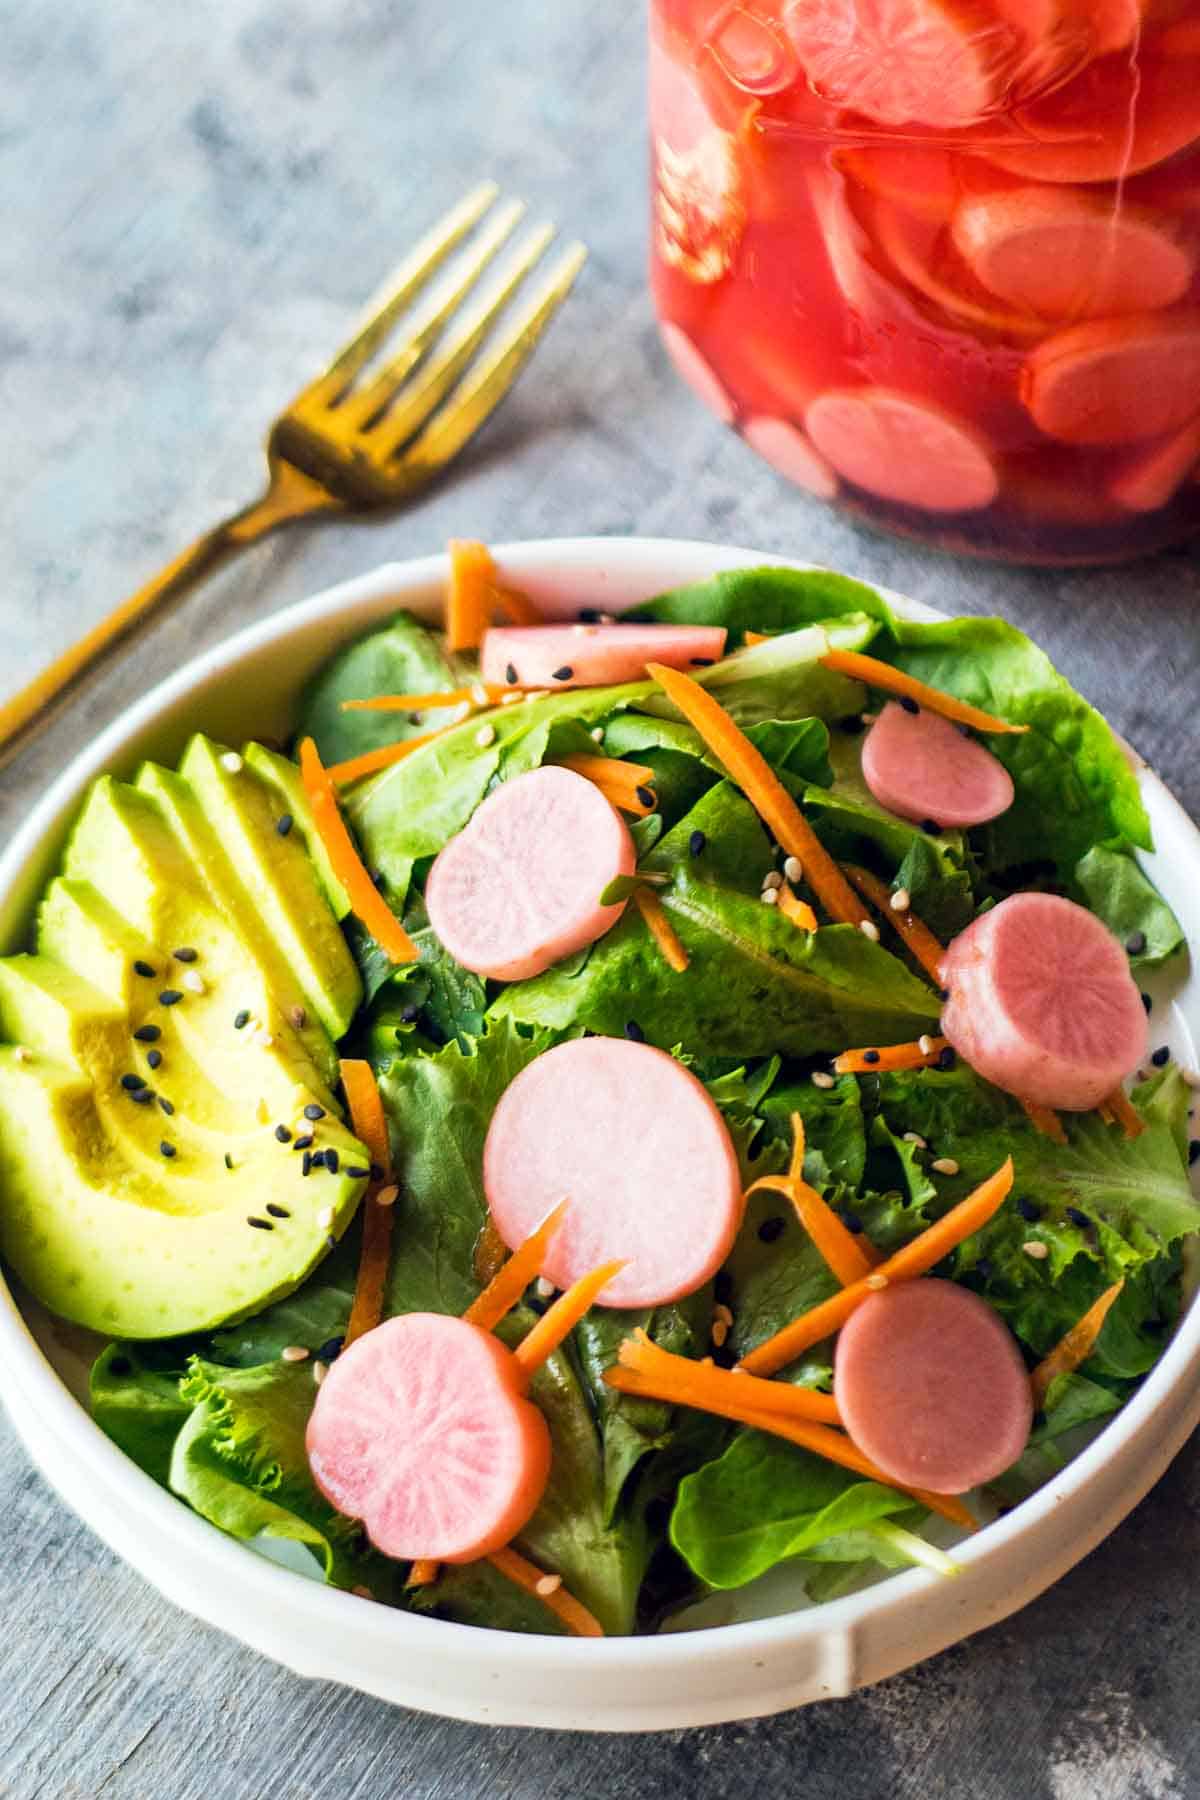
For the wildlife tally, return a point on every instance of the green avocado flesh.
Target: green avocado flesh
(132, 1167)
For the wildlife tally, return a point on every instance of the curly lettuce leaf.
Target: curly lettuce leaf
(135, 1400)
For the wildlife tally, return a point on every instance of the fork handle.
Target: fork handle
(290, 495)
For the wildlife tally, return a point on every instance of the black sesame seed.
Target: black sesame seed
(1135, 943)
(284, 823)
(154, 1058)
(376, 1173)
(416, 718)
(143, 1097)
(852, 726)
(228, 1160)
(120, 1365)
(510, 675)
(696, 843)
(1194, 1151)
(870, 1056)
(963, 731)
(306, 1162)
(946, 1058)
(330, 1350)
(985, 1268)
(1029, 1211)
(260, 1224)
(590, 615)
(702, 662)
(313, 1111)
(931, 828)
(332, 1160)
(771, 1228)
(147, 1034)
(277, 1212)
(317, 1160)
(331, 1242)
(851, 1221)
(143, 968)
(283, 1134)
(131, 1083)
(355, 1171)
(909, 704)
(634, 1032)
(167, 1148)
(303, 1143)
(186, 955)
(563, 674)
(646, 796)
(943, 994)
(1078, 1218)
(170, 997)
(240, 1021)
(166, 1105)
(410, 1015)
(1161, 1056)
(1154, 1326)
(1147, 1002)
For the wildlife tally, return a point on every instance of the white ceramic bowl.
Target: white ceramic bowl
(774, 1653)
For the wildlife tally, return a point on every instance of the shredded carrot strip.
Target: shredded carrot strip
(914, 1259)
(365, 899)
(422, 1572)
(479, 694)
(1045, 1120)
(374, 1260)
(755, 637)
(889, 1056)
(640, 1356)
(764, 790)
(1105, 1113)
(573, 1613)
(371, 761)
(472, 582)
(876, 674)
(661, 928)
(562, 1317)
(523, 1266)
(1075, 1347)
(848, 1260)
(798, 911)
(624, 785)
(916, 935)
(517, 607)
(1125, 1113)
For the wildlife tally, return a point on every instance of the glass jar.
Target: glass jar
(937, 260)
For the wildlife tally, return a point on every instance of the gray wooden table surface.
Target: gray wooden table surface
(192, 197)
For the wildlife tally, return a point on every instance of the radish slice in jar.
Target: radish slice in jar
(920, 181)
(1155, 476)
(787, 449)
(902, 450)
(1115, 381)
(691, 366)
(753, 51)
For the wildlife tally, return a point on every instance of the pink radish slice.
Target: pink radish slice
(920, 766)
(1064, 254)
(789, 451)
(1042, 1002)
(902, 450)
(695, 371)
(1115, 381)
(931, 1386)
(1155, 476)
(421, 1430)
(518, 887)
(574, 656)
(634, 1143)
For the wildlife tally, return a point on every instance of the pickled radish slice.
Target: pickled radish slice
(931, 1385)
(920, 766)
(754, 52)
(917, 249)
(1111, 121)
(923, 62)
(695, 371)
(421, 1429)
(1068, 255)
(902, 450)
(699, 213)
(787, 449)
(920, 181)
(1115, 381)
(572, 656)
(1155, 476)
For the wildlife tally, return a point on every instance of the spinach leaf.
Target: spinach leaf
(404, 657)
(764, 599)
(1114, 887)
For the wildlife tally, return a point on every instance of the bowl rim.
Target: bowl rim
(43, 1393)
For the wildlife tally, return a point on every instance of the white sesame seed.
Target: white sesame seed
(363, 1593)
(722, 1312)
(914, 1137)
(387, 1195)
(294, 1353)
(547, 1584)
(479, 695)
(583, 630)
(193, 982)
(793, 868)
(510, 699)
(772, 879)
(821, 1080)
(232, 762)
(597, 734)
(868, 718)
(543, 1288)
(263, 1039)
(319, 1372)
(720, 1332)
(944, 1165)
(21, 1054)
(537, 693)
(325, 1218)
(870, 930)
(901, 900)
(1191, 1076)
(877, 1281)
(770, 896)
(925, 1044)
(485, 735)
(1039, 1252)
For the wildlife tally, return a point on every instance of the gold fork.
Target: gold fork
(351, 446)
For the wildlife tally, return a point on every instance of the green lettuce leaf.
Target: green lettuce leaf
(135, 1400)
(835, 1140)
(1112, 885)
(404, 657)
(1073, 1405)
(764, 599)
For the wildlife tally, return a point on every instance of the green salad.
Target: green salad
(242, 959)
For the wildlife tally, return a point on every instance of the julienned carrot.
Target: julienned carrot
(848, 1260)
(374, 1258)
(1045, 1120)
(367, 903)
(914, 1259)
(1125, 1113)
(509, 1283)
(549, 1590)
(764, 790)
(371, 761)
(562, 1317)
(479, 694)
(661, 928)
(876, 674)
(517, 607)
(1075, 1347)
(749, 638)
(916, 935)
(624, 785)
(890, 1056)
(798, 911)
(468, 594)
(422, 1572)
(641, 1357)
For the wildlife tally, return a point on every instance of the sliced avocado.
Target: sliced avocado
(280, 875)
(77, 927)
(144, 1252)
(124, 849)
(187, 820)
(284, 777)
